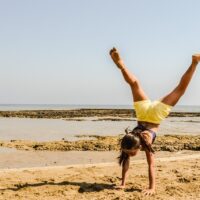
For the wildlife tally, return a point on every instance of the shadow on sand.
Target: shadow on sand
(83, 186)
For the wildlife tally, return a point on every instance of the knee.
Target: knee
(180, 91)
(135, 83)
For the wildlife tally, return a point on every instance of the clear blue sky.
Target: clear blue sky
(56, 51)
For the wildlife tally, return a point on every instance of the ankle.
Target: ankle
(120, 65)
(195, 62)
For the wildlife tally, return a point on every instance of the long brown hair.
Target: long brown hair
(129, 141)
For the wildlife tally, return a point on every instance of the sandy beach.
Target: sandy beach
(177, 177)
(58, 173)
(86, 167)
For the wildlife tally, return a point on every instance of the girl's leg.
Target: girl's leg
(137, 91)
(173, 97)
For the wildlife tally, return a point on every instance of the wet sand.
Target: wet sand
(177, 178)
(23, 159)
(12, 158)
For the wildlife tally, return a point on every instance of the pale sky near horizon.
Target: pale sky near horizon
(56, 51)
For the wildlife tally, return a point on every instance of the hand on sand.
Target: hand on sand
(148, 192)
(116, 58)
(196, 58)
(119, 187)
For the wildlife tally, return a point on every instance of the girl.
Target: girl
(149, 115)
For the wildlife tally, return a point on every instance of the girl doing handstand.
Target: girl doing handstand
(149, 116)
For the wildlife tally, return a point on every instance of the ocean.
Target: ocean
(12, 107)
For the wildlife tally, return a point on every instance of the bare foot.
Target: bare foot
(196, 58)
(116, 58)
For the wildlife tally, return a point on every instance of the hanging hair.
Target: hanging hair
(128, 142)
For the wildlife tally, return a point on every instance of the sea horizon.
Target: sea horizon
(17, 107)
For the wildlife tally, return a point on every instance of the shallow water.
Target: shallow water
(56, 129)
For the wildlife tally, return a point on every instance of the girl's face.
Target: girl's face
(131, 152)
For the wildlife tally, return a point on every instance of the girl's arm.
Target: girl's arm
(125, 168)
(151, 170)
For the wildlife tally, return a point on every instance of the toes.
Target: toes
(113, 50)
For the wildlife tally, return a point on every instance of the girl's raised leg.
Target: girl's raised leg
(137, 91)
(173, 97)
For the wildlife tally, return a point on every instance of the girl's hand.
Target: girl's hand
(148, 192)
(196, 58)
(116, 57)
(119, 187)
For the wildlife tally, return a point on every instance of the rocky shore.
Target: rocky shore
(106, 143)
(110, 114)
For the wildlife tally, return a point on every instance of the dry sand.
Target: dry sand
(176, 178)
